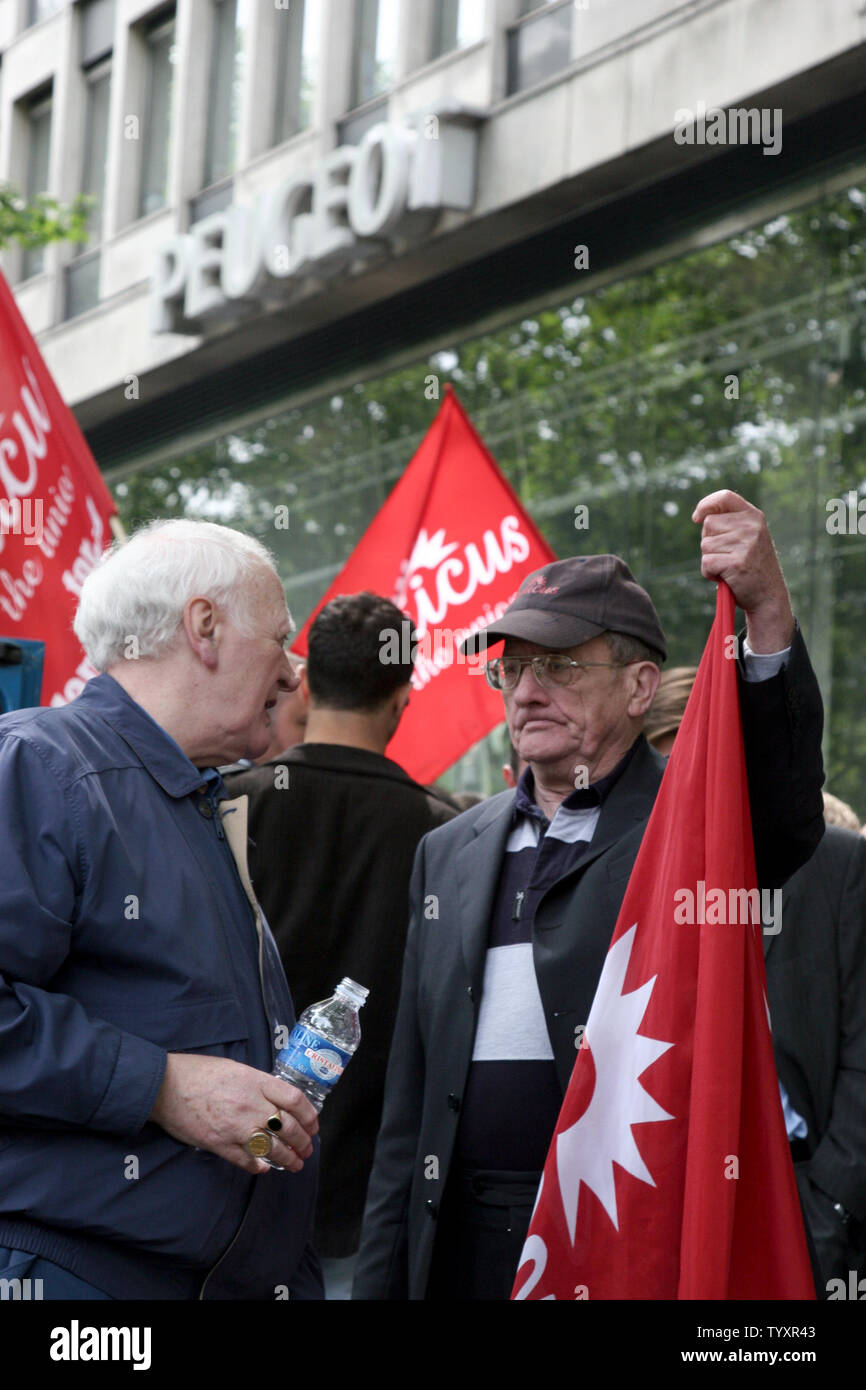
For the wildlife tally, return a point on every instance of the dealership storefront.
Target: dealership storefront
(624, 344)
(740, 365)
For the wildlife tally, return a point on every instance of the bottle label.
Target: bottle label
(313, 1055)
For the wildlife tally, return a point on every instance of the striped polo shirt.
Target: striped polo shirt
(513, 1097)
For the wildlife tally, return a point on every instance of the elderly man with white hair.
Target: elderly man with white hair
(141, 994)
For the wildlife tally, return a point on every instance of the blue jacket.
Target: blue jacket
(126, 933)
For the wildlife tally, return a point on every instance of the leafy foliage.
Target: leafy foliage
(42, 220)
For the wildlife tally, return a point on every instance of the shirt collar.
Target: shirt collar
(164, 759)
(578, 800)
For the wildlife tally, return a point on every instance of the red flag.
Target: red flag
(54, 509)
(670, 1175)
(450, 547)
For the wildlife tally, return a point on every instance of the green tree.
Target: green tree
(43, 220)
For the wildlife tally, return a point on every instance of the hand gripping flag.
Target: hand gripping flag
(669, 1175)
(450, 547)
(54, 509)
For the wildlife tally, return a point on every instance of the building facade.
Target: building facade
(629, 232)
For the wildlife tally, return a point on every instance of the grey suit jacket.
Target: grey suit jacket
(453, 885)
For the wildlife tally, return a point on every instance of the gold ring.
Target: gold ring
(260, 1143)
(274, 1122)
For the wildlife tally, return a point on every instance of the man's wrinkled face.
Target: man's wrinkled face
(254, 668)
(572, 725)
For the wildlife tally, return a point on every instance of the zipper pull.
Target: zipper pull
(518, 906)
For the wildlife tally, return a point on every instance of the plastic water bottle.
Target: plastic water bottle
(322, 1043)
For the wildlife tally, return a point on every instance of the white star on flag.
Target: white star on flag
(588, 1149)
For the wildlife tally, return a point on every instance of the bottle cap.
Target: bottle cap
(358, 992)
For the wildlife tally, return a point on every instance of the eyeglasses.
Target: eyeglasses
(504, 673)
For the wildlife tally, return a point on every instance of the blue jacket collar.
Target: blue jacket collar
(164, 759)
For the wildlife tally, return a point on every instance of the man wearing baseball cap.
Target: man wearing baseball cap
(513, 904)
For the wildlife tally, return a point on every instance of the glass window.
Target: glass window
(81, 276)
(97, 30)
(375, 48)
(298, 68)
(214, 199)
(81, 284)
(161, 60)
(96, 146)
(230, 21)
(41, 9)
(540, 46)
(456, 24)
(352, 129)
(38, 160)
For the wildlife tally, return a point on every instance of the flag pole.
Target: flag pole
(117, 529)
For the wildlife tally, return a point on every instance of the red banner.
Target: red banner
(670, 1173)
(450, 547)
(54, 509)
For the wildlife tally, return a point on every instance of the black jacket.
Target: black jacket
(816, 984)
(331, 858)
(457, 869)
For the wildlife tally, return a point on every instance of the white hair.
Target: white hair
(132, 603)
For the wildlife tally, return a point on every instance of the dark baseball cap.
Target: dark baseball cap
(570, 601)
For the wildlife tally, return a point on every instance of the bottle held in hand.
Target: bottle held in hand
(322, 1043)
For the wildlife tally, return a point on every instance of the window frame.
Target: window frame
(359, 97)
(35, 106)
(438, 49)
(212, 172)
(158, 26)
(526, 21)
(287, 124)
